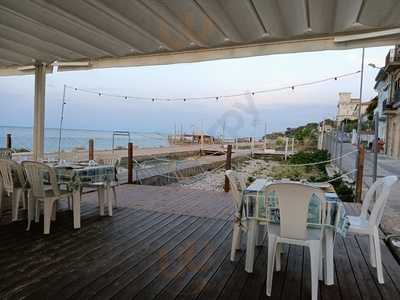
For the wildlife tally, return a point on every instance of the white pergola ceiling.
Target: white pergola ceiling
(138, 32)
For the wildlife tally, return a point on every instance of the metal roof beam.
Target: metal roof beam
(13, 56)
(216, 13)
(128, 22)
(37, 43)
(26, 50)
(46, 32)
(163, 12)
(55, 10)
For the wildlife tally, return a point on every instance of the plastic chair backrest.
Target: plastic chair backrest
(37, 173)
(382, 188)
(5, 153)
(294, 199)
(6, 168)
(237, 184)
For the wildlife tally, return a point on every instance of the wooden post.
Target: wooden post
(130, 163)
(228, 165)
(286, 147)
(201, 144)
(252, 146)
(360, 171)
(8, 141)
(91, 149)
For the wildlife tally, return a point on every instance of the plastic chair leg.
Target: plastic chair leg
(100, 196)
(235, 240)
(109, 201)
(115, 197)
(379, 267)
(31, 210)
(54, 211)
(372, 252)
(48, 208)
(278, 257)
(16, 197)
(271, 260)
(315, 259)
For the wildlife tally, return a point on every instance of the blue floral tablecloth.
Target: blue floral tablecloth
(74, 177)
(254, 206)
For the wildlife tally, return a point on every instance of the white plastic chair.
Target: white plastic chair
(9, 171)
(293, 203)
(5, 153)
(367, 223)
(237, 183)
(43, 187)
(103, 189)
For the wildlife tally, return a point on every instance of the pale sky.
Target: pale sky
(244, 116)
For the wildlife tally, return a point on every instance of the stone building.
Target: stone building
(348, 107)
(388, 88)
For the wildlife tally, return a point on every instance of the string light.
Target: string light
(252, 93)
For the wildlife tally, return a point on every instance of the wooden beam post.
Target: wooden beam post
(8, 141)
(360, 171)
(91, 149)
(130, 163)
(286, 147)
(201, 144)
(228, 166)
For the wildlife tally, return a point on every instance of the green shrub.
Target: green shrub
(306, 157)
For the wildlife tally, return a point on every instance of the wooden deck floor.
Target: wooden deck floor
(150, 249)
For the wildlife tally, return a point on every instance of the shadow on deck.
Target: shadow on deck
(168, 242)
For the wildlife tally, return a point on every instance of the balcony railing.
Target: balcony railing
(387, 106)
(396, 99)
(393, 55)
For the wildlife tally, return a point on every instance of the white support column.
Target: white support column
(39, 112)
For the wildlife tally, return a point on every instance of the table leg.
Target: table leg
(251, 244)
(260, 234)
(76, 198)
(329, 269)
(109, 200)
(101, 191)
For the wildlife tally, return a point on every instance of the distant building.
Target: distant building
(348, 107)
(388, 87)
(325, 127)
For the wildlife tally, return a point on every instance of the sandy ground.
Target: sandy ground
(214, 180)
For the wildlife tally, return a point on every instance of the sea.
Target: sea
(79, 138)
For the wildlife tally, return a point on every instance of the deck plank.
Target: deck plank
(170, 243)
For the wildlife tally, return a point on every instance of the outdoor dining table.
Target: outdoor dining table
(75, 176)
(254, 214)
